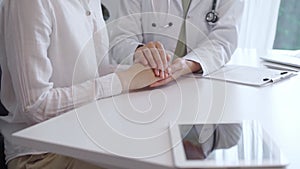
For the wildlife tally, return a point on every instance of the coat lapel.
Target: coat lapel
(194, 3)
(178, 3)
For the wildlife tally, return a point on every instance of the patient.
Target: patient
(53, 54)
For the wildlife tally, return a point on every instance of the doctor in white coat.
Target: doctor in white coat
(147, 31)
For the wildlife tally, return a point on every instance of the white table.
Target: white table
(130, 130)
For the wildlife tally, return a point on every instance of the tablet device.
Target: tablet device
(285, 59)
(224, 145)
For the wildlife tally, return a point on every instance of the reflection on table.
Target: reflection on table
(234, 142)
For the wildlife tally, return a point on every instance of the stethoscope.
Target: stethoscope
(211, 17)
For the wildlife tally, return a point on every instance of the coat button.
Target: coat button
(88, 13)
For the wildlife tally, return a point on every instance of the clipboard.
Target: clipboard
(253, 76)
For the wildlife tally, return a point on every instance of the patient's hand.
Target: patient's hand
(137, 77)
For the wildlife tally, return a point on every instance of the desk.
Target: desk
(131, 129)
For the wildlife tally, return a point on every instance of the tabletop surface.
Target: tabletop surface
(132, 129)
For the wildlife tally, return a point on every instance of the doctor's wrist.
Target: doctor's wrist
(194, 66)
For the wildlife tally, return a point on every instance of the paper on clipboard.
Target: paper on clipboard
(250, 75)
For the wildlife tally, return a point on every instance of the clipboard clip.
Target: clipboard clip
(282, 76)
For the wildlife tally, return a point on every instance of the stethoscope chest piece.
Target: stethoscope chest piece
(212, 17)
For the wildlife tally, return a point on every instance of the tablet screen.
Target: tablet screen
(228, 144)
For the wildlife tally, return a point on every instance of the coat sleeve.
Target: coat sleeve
(222, 41)
(126, 32)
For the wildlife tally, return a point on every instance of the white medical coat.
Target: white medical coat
(211, 45)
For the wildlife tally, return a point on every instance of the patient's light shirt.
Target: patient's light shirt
(50, 55)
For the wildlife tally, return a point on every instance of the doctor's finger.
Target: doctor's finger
(168, 57)
(152, 63)
(159, 62)
(157, 59)
(148, 55)
(162, 53)
(156, 55)
(139, 57)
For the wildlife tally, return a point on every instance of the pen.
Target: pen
(283, 75)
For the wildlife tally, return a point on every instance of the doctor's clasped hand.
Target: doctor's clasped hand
(154, 55)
